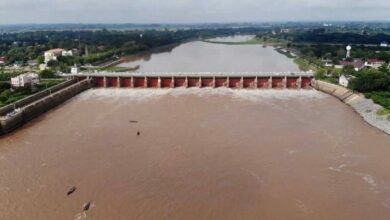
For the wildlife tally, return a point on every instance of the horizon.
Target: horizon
(190, 11)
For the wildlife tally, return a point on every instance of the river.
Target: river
(200, 154)
(200, 56)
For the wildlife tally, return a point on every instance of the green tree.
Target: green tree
(41, 60)
(47, 74)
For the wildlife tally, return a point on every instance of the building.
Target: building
(344, 80)
(23, 80)
(75, 69)
(67, 53)
(384, 44)
(358, 64)
(2, 60)
(374, 63)
(53, 54)
(32, 62)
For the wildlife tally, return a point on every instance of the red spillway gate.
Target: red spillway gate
(221, 82)
(166, 82)
(249, 82)
(99, 81)
(207, 82)
(277, 82)
(193, 81)
(139, 82)
(180, 82)
(262, 82)
(292, 82)
(234, 82)
(306, 82)
(112, 82)
(125, 82)
(152, 82)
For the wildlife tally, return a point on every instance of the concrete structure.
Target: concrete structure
(245, 80)
(366, 108)
(52, 54)
(384, 44)
(16, 114)
(67, 53)
(2, 60)
(358, 64)
(23, 80)
(75, 69)
(349, 48)
(344, 80)
(374, 63)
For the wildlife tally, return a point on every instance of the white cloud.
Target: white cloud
(145, 11)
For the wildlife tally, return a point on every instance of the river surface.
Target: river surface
(200, 56)
(201, 154)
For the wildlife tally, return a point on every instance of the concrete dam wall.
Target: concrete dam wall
(200, 80)
(366, 108)
(15, 118)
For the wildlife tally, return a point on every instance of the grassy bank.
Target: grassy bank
(380, 98)
(8, 95)
(304, 65)
(268, 42)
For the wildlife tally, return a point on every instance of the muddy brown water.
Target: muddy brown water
(201, 154)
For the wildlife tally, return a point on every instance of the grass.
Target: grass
(269, 42)
(9, 96)
(381, 98)
(383, 111)
(116, 69)
(304, 65)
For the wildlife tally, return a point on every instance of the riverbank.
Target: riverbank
(249, 42)
(372, 113)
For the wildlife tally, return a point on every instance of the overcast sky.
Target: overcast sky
(189, 11)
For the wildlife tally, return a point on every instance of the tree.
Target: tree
(41, 60)
(46, 74)
(370, 80)
(320, 74)
(52, 63)
(348, 70)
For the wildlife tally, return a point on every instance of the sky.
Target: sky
(190, 11)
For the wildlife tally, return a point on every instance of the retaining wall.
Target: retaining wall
(23, 102)
(17, 118)
(366, 108)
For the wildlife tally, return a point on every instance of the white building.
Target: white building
(67, 53)
(75, 69)
(2, 60)
(344, 80)
(384, 44)
(374, 63)
(52, 54)
(26, 79)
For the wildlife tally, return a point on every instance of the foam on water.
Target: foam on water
(245, 94)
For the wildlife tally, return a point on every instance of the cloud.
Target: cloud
(183, 11)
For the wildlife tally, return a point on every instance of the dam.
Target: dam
(234, 80)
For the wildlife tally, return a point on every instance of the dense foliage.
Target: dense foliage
(371, 80)
(101, 45)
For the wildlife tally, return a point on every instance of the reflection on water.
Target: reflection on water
(207, 57)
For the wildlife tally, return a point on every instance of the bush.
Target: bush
(46, 74)
(370, 81)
